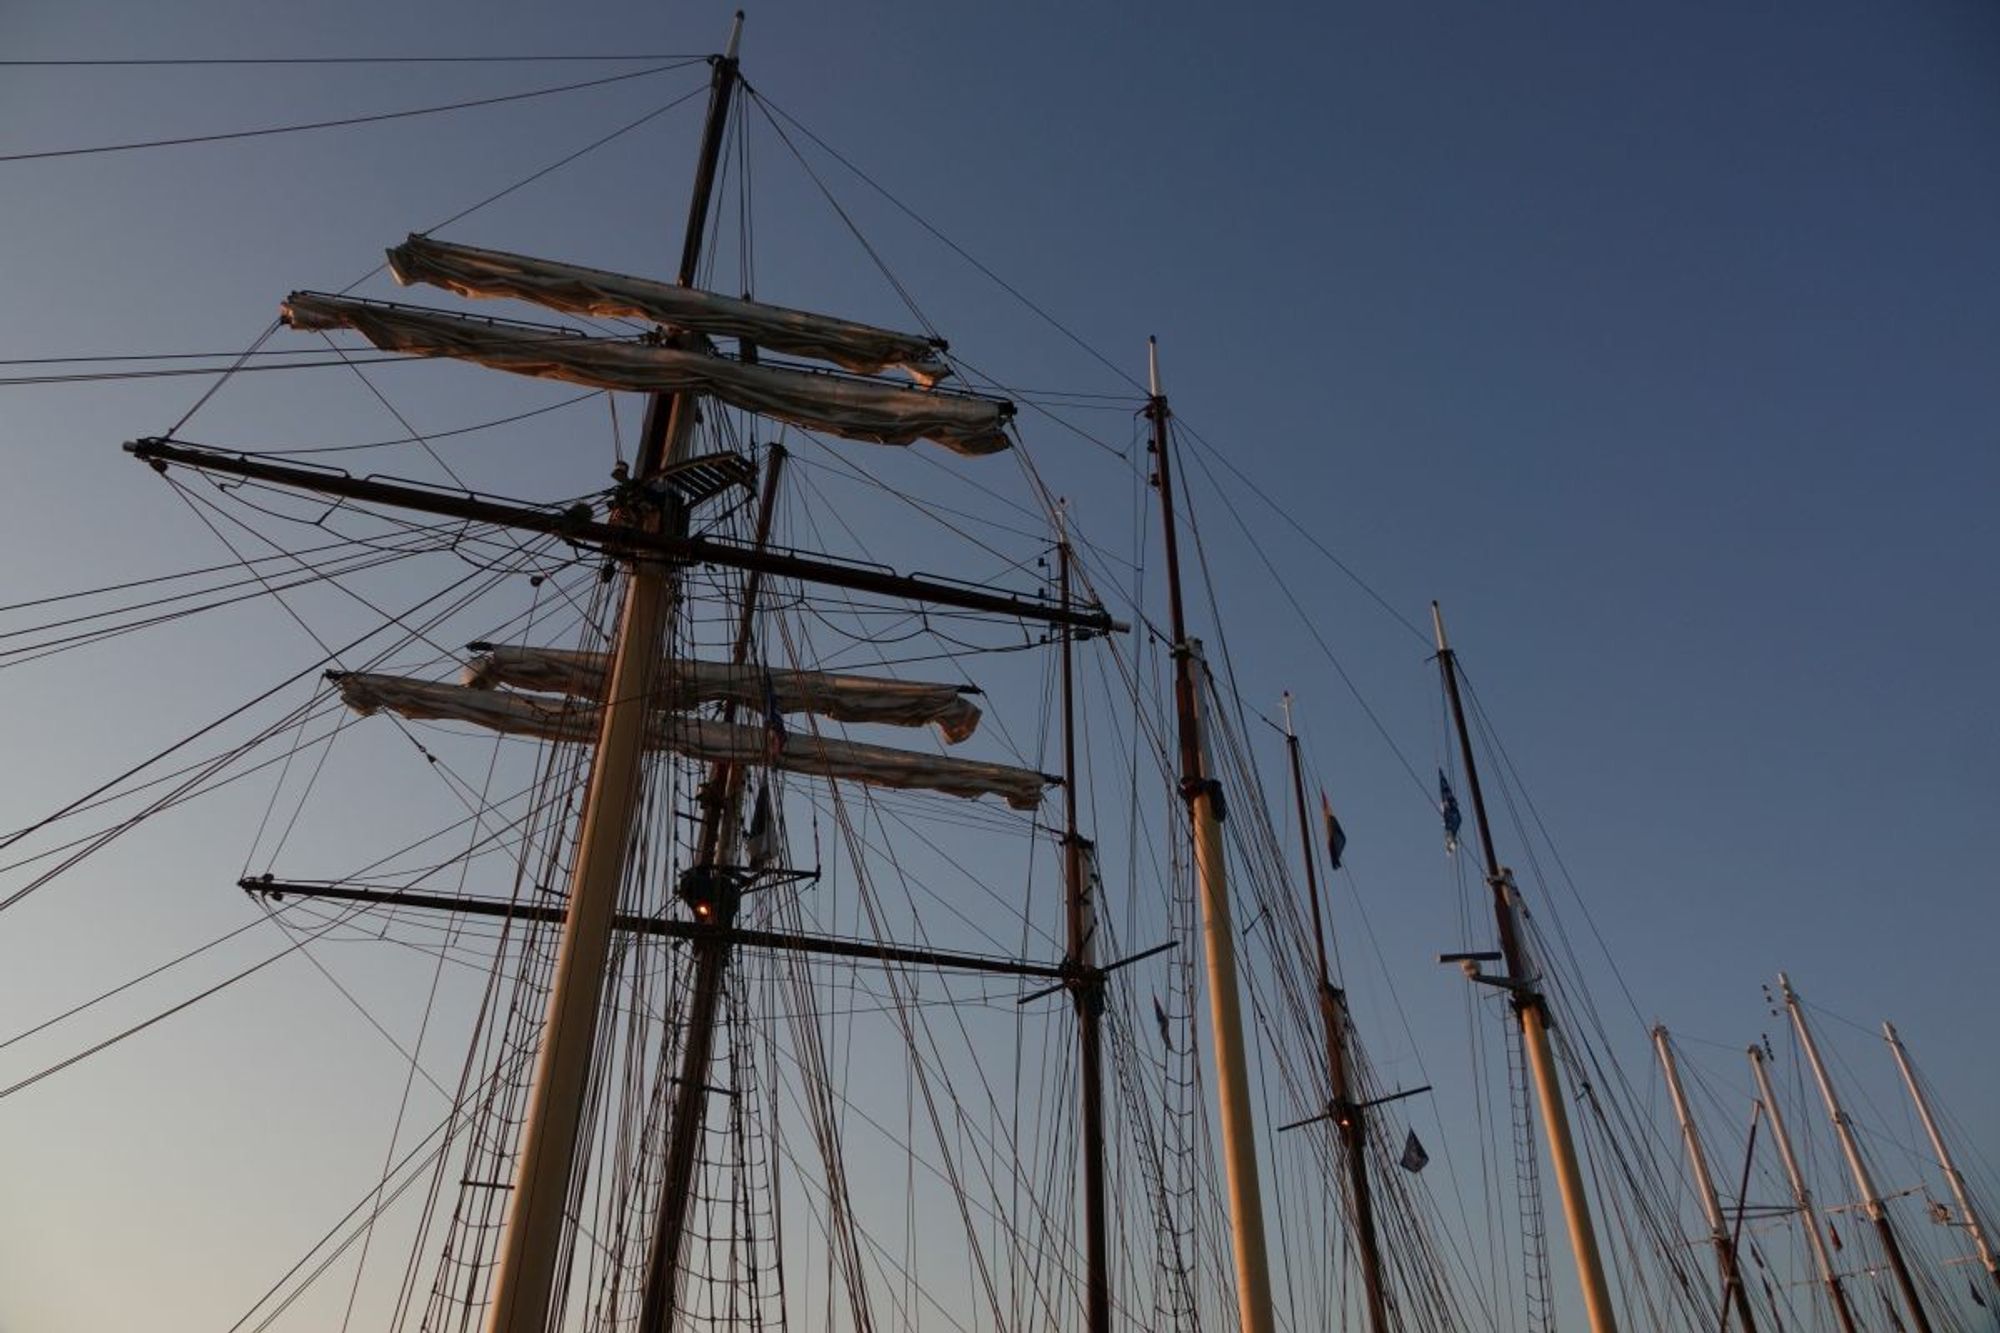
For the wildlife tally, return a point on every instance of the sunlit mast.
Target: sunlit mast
(1968, 1216)
(1864, 1183)
(1802, 1195)
(1532, 1011)
(1202, 793)
(1704, 1184)
(525, 1280)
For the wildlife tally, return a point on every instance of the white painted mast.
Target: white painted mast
(1968, 1217)
(1843, 1128)
(1801, 1195)
(1704, 1184)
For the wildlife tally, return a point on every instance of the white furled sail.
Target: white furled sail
(855, 409)
(696, 738)
(577, 290)
(685, 683)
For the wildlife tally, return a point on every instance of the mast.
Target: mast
(525, 1280)
(1531, 1009)
(716, 895)
(1843, 1128)
(1087, 986)
(1711, 1204)
(1203, 796)
(1801, 1195)
(1349, 1113)
(1968, 1218)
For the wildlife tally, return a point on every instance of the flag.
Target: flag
(774, 723)
(1160, 1017)
(1336, 836)
(1977, 1299)
(1448, 807)
(1414, 1157)
(761, 841)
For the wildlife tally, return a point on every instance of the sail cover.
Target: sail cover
(576, 290)
(903, 703)
(696, 738)
(856, 409)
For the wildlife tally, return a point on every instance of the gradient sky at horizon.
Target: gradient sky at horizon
(1660, 344)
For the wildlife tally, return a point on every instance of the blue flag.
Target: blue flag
(1336, 836)
(1448, 807)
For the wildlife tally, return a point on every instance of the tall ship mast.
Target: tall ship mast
(1531, 1011)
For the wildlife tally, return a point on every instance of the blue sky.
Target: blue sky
(1656, 342)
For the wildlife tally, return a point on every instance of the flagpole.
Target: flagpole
(1531, 1010)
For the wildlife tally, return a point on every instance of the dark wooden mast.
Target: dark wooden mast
(713, 884)
(1086, 984)
(1349, 1112)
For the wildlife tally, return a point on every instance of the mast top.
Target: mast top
(1288, 714)
(1153, 365)
(735, 37)
(1437, 628)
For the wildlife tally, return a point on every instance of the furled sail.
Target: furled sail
(856, 409)
(576, 290)
(903, 703)
(697, 738)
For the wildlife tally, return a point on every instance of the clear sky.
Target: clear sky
(1657, 342)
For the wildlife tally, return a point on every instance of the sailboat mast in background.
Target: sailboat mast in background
(1843, 1128)
(1348, 1111)
(1704, 1182)
(1801, 1195)
(1968, 1217)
